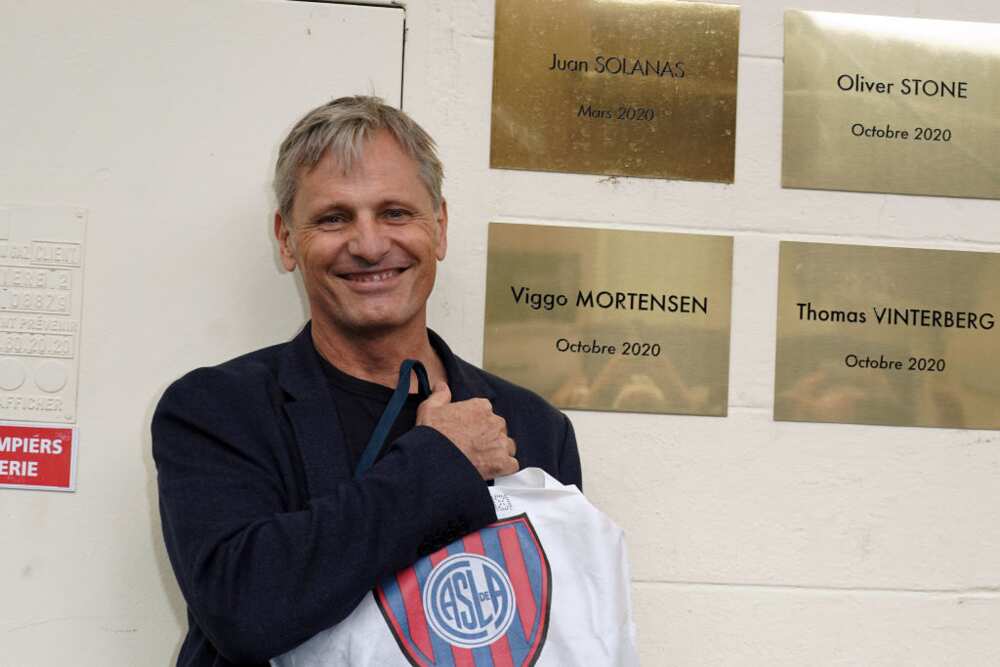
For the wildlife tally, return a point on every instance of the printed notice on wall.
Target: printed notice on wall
(39, 457)
(41, 297)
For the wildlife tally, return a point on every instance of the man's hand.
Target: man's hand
(474, 428)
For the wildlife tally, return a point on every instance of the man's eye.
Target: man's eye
(328, 220)
(396, 213)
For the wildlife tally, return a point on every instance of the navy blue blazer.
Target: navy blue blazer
(270, 537)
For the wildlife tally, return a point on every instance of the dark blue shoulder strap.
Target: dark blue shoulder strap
(392, 410)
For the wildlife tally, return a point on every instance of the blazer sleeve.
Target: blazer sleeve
(260, 576)
(569, 457)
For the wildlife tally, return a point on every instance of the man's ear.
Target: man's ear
(442, 230)
(284, 236)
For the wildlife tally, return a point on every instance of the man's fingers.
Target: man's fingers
(512, 466)
(473, 428)
(500, 467)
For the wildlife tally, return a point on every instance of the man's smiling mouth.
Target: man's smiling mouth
(372, 276)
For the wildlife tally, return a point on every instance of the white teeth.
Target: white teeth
(373, 277)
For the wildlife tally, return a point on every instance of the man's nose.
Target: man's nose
(369, 241)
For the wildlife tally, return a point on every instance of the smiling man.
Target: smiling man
(271, 536)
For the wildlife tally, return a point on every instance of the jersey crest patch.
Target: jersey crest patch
(482, 601)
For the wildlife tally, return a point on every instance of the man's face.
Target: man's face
(367, 242)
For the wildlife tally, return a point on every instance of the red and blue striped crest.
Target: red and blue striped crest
(482, 601)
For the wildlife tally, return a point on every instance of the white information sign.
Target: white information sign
(41, 299)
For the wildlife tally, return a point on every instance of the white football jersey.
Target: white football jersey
(546, 585)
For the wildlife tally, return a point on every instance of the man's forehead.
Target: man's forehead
(375, 155)
(380, 161)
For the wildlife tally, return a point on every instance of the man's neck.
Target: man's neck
(376, 357)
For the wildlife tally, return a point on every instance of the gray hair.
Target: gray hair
(342, 126)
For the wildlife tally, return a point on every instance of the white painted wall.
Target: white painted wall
(753, 542)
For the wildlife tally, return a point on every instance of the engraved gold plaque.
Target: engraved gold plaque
(611, 320)
(616, 87)
(898, 105)
(894, 336)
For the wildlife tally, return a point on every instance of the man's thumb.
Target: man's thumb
(440, 394)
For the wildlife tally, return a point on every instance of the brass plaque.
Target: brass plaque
(611, 320)
(881, 104)
(895, 336)
(616, 87)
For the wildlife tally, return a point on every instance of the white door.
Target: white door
(160, 121)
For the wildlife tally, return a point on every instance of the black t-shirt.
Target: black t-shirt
(360, 405)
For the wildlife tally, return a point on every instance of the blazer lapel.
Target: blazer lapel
(313, 417)
(464, 380)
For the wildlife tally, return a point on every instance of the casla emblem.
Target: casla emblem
(482, 600)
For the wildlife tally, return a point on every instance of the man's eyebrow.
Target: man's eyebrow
(397, 201)
(327, 207)
(394, 203)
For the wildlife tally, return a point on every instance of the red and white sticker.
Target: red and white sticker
(37, 457)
